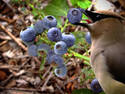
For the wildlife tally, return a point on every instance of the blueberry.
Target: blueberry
(38, 27)
(60, 48)
(50, 53)
(60, 71)
(29, 43)
(49, 22)
(28, 35)
(54, 34)
(74, 15)
(43, 47)
(88, 37)
(95, 86)
(32, 50)
(69, 39)
(57, 60)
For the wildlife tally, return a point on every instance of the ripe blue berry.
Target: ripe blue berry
(32, 50)
(88, 37)
(49, 22)
(95, 86)
(43, 47)
(60, 48)
(28, 35)
(38, 27)
(54, 34)
(29, 43)
(50, 53)
(74, 15)
(60, 71)
(57, 60)
(69, 39)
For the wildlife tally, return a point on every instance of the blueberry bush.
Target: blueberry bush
(54, 34)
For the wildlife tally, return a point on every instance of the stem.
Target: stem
(63, 27)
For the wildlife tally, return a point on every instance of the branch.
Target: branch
(13, 37)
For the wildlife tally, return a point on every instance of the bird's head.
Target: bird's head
(103, 23)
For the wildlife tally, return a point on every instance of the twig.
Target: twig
(69, 3)
(36, 59)
(59, 89)
(44, 75)
(21, 89)
(44, 85)
(3, 83)
(7, 66)
(21, 56)
(7, 20)
(7, 38)
(4, 42)
(13, 37)
(9, 5)
(71, 80)
(23, 64)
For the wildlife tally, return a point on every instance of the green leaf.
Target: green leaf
(43, 56)
(80, 56)
(42, 64)
(84, 4)
(81, 3)
(74, 2)
(87, 63)
(84, 16)
(57, 8)
(89, 74)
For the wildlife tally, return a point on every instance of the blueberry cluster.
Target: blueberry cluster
(75, 16)
(62, 42)
(95, 86)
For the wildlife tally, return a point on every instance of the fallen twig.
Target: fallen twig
(69, 3)
(7, 38)
(69, 81)
(4, 42)
(21, 89)
(36, 59)
(9, 6)
(3, 83)
(47, 80)
(13, 37)
(59, 89)
(7, 20)
(44, 75)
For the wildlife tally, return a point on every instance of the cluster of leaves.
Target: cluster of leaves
(81, 3)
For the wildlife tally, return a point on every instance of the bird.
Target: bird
(120, 2)
(107, 49)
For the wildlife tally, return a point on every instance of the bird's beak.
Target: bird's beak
(93, 16)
